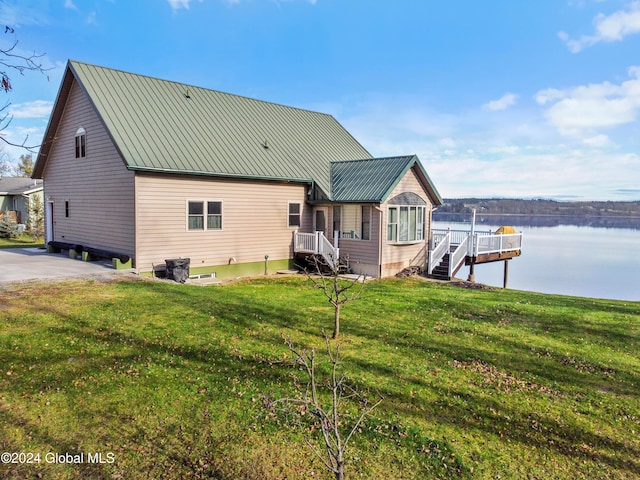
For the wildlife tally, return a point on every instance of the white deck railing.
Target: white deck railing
(497, 243)
(304, 242)
(457, 236)
(317, 244)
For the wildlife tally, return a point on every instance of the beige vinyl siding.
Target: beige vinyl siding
(99, 188)
(363, 254)
(397, 257)
(255, 218)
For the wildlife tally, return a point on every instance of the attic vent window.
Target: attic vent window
(81, 143)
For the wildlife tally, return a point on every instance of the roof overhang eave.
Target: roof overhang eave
(239, 176)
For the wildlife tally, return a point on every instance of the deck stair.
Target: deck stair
(443, 270)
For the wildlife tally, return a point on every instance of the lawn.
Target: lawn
(22, 241)
(176, 381)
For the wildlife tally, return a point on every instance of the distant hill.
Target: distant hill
(506, 206)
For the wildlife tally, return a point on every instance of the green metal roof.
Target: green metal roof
(373, 179)
(164, 126)
(160, 125)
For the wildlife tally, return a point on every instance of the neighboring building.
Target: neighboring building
(16, 196)
(158, 170)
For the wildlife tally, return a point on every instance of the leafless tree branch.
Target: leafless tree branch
(330, 418)
(335, 288)
(13, 60)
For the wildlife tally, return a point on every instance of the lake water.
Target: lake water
(566, 259)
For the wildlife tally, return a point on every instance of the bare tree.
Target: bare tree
(328, 278)
(335, 435)
(13, 60)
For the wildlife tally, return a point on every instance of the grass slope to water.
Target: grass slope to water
(172, 381)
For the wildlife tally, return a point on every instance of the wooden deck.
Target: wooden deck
(450, 249)
(492, 257)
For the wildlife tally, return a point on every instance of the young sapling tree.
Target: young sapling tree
(328, 415)
(328, 277)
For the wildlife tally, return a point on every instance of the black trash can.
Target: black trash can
(178, 269)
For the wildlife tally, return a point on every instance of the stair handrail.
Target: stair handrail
(439, 252)
(458, 256)
(330, 253)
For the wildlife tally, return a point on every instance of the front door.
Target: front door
(320, 220)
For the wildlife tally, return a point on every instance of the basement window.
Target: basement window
(81, 143)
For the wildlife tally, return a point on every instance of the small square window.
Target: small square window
(214, 215)
(196, 216)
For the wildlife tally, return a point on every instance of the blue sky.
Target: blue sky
(499, 98)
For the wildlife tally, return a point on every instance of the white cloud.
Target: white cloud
(447, 142)
(504, 102)
(69, 4)
(598, 141)
(20, 15)
(553, 172)
(178, 4)
(35, 109)
(608, 28)
(518, 154)
(585, 108)
(91, 19)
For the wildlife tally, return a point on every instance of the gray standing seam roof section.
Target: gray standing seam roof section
(157, 128)
(366, 180)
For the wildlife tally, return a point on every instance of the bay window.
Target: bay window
(405, 224)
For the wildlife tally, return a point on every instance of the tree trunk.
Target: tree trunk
(339, 471)
(336, 322)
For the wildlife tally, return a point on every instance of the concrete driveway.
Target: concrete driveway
(18, 264)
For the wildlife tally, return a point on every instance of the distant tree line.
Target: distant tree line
(507, 206)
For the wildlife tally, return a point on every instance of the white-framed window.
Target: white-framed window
(81, 143)
(204, 215)
(295, 214)
(405, 224)
(365, 223)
